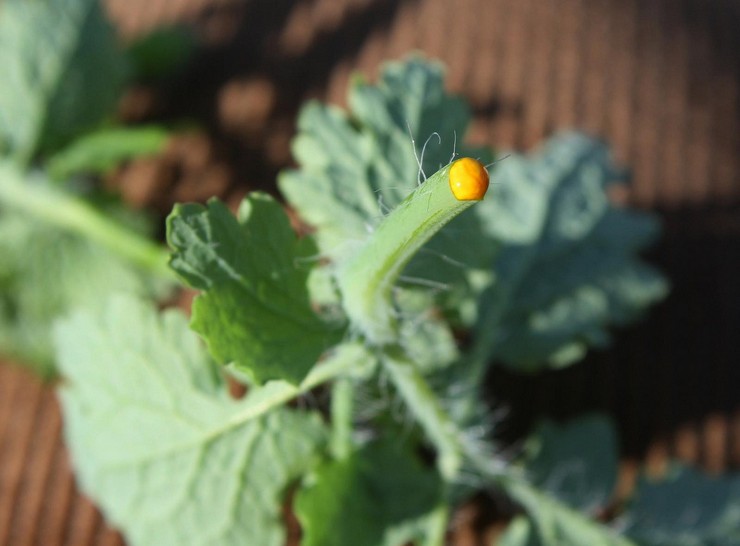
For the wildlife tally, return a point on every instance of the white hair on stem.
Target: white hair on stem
(444, 257)
(492, 163)
(421, 176)
(382, 207)
(419, 281)
(454, 147)
(421, 161)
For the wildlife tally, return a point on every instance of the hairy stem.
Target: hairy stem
(428, 411)
(341, 417)
(367, 278)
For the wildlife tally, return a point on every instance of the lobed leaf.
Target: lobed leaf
(567, 269)
(255, 309)
(159, 444)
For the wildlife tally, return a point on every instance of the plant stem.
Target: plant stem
(367, 278)
(454, 451)
(341, 417)
(426, 407)
(346, 359)
(550, 515)
(32, 195)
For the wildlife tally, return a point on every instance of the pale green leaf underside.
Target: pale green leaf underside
(254, 310)
(158, 443)
(62, 72)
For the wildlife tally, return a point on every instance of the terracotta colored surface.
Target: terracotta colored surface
(659, 79)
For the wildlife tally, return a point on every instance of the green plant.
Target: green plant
(65, 241)
(400, 297)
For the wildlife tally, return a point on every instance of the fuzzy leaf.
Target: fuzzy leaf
(159, 444)
(62, 73)
(687, 508)
(253, 271)
(575, 462)
(379, 496)
(567, 269)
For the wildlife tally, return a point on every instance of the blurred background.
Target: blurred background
(658, 79)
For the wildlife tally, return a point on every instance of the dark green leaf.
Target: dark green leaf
(253, 271)
(379, 496)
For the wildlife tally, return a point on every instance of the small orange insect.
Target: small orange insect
(468, 179)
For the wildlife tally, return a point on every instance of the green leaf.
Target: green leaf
(686, 508)
(253, 271)
(567, 269)
(575, 462)
(158, 443)
(62, 73)
(49, 265)
(379, 496)
(101, 151)
(356, 166)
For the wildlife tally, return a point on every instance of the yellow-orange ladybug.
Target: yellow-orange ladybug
(468, 179)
